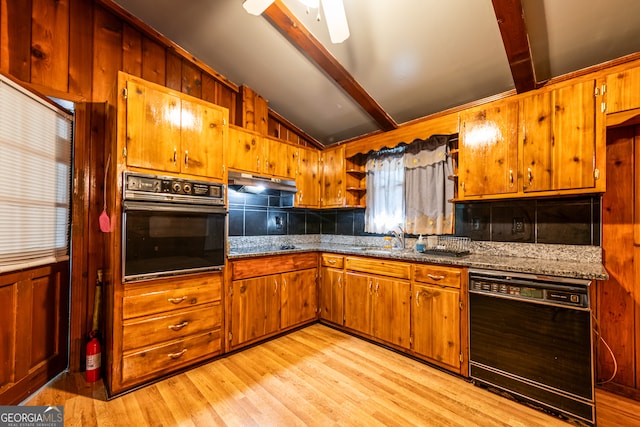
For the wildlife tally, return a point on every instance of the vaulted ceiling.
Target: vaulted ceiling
(404, 59)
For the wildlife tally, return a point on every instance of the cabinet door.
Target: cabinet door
(622, 90)
(277, 163)
(436, 323)
(308, 179)
(333, 177)
(489, 150)
(298, 297)
(153, 128)
(203, 139)
(255, 308)
(332, 295)
(391, 311)
(559, 141)
(358, 289)
(244, 150)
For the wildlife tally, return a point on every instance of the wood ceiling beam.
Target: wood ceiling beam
(283, 19)
(516, 43)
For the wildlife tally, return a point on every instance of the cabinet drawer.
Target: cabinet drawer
(166, 327)
(166, 358)
(329, 260)
(264, 266)
(175, 294)
(399, 270)
(438, 275)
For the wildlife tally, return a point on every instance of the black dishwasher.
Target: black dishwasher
(531, 336)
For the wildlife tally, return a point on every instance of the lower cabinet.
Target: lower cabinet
(438, 318)
(165, 325)
(270, 294)
(378, 304)
(420, 309)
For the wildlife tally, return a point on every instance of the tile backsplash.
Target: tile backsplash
(571, 221)
(568, 221)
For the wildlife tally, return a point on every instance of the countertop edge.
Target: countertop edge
(571, 269)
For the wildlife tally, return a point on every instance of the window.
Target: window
(35, 148)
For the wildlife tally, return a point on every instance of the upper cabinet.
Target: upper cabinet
(308, 179)
(333, 177)
(622, 90)
(245, 150)
(547, 142)
(488, 150)
(169, 131)
(559, 139)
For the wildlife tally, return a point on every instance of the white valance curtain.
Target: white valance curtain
(409, 186)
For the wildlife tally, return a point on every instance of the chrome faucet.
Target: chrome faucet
(398, 235)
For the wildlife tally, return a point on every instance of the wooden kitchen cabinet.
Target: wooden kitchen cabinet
(378, 304)
(560, 139)
(282, 158)
(488, 150)
(333, 177)
(298, 297)
(245, 150)
(438, 315)
(308, 178)
(164, 325)
(332, 288)
(270, 294)
(255, 308)
(169, 131)
(622, 89)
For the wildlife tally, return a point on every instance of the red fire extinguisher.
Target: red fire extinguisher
(94, 356)
(94, 359)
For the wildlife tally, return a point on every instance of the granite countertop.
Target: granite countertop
(561, 268)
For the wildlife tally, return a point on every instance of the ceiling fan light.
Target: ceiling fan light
(256, 7)
(336, 20)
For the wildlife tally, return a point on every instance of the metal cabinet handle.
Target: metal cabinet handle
(370, 286)
(339, 281)
(284, 284)
(417, 298)
(434, 277)
(186, 158)
(275, 281)
(530, 175)
(377, 289)
(175, 156)
(331, 261)
(178, 326)
(176, 300)
(511, 177)
(178, 354)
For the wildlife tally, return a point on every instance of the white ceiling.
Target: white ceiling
(414, 57)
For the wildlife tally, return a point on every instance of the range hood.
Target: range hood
(250, 183)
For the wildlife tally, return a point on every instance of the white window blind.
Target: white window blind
(35, 183)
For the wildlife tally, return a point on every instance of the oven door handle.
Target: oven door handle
(131, 205)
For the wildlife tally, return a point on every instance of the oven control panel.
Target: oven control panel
(164, 188)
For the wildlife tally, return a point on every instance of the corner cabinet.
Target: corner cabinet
(168, 131)
(270, 294)
(488, 150)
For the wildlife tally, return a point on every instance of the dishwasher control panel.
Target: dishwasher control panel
(528, 287)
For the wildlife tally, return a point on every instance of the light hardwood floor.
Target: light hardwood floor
(316, 376)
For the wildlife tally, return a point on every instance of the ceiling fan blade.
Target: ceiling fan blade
(256, 7)
(336, 20)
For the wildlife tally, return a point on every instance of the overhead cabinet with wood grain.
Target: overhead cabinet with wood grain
(308, 178)
(547, 142)
(168, 131)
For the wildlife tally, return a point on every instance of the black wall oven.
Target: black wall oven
(531, 336)
(171, 226)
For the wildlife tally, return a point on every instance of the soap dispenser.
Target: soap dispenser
(420, 244)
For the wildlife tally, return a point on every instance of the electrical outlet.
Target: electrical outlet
(518, 226)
